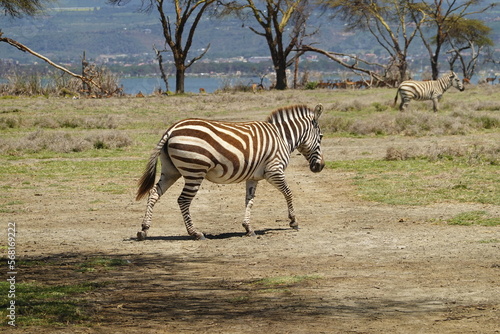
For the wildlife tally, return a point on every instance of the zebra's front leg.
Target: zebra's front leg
(280, 183)
(154, 196)
(435, 104)
(251, 186)
(184, 201)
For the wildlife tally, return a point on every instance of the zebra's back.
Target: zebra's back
(223, 152)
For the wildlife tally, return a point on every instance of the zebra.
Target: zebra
(231, 152)
(426, 90)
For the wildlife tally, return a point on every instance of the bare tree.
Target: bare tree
(187, 16)
(164, 76)
(281, 23)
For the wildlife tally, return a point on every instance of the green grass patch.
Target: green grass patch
(66, 172)
(422, 182)
(282, 284)
(44, 305)
(490, 241)
(474, 218)
(101, 263)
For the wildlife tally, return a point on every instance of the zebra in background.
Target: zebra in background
(426, 90)
(231, 152)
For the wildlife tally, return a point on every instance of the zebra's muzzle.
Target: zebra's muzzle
(317, 166)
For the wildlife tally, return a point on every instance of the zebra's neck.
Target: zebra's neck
(292, 123)
(289, 135)
(445, 83)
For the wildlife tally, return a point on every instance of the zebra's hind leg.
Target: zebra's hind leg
(168, 177)
(251, 186)
(404, 104)
(190, 189)
(154, 196)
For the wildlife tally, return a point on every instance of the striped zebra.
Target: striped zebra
(426, 90)
(231, 152)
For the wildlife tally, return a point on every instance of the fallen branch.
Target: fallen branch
(337, 57)
(24, 48)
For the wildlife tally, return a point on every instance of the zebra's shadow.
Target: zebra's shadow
(211, 236)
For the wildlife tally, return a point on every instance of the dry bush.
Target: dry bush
(66, 121)
(57, 84)
(24, 84)
(332, 124)
(472, 155)
(382, 124)
(411, 123)
(64, 142)
(424, 123)
(109, 140)
(10, 122)
(231, 85)
(99, 122)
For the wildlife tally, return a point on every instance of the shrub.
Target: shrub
(311, 85)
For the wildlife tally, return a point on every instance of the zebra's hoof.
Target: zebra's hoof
(295, 226)
(200, 236)
(250, 234)
(141, 235)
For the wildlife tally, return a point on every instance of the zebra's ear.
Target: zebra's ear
(317, 111)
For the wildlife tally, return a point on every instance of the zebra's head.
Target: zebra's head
(310, 147)
(456, 82)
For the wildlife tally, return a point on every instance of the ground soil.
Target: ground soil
(359, 267)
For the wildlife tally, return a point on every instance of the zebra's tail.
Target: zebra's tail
(147, 181)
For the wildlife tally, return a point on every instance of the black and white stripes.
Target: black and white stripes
(231, 152)
(426, 90)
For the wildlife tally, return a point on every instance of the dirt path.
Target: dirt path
(353, 267)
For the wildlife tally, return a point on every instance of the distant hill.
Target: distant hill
(72, 26)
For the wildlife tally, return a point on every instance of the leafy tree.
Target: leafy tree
(188, 14)
(467, 38)
(442, 18)
(388, 21)
(18, 8)
(281, 23)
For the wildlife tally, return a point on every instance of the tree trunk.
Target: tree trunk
(296, 73)
(434, 66)
(280, 68)
(403, 70)
(180, 74)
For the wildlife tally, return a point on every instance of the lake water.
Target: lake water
(191, 84)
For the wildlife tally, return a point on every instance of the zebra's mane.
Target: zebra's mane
(291, 111)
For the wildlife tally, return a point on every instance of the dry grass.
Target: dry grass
(67, 125)
(64, 142)
(473, 155)
(412, 123)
